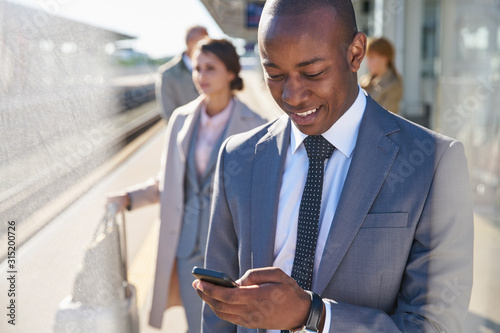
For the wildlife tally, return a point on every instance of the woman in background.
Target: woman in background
(383, 83)
(183, 187)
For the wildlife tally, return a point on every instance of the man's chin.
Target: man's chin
(309, 129)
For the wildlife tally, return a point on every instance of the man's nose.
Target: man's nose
(294, 92)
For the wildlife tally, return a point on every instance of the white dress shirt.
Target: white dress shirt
(209, 131)
(343, 135)
(187, 62)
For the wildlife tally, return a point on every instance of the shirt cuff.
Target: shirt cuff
(328, 316)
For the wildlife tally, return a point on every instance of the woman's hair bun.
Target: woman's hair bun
(237, 84)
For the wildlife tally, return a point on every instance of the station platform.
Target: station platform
(49, 261)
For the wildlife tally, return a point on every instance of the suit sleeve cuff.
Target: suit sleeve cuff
(328, 316)
(143, 194)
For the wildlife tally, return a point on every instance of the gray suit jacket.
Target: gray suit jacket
(399, 250)
(175, 86)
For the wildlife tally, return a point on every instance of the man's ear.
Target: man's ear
(356, 51)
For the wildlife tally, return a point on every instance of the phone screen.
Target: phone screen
(215, 277)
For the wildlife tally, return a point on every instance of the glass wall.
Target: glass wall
(450, 62)
(467, 108)
(469, 94)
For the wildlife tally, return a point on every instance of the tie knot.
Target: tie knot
(318, 147)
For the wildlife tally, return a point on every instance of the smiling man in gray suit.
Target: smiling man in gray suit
(392, 234)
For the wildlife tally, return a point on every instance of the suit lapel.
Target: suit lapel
(208, 174)
(237, 121)
(186, 131)
(372, 159)
(235, 125)
(269, 158)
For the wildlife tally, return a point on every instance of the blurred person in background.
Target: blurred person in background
(383, 83)
(183, 187)
(175, 86)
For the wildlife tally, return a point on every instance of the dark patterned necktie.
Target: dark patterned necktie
(318, 150)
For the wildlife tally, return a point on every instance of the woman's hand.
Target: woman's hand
(120, 199)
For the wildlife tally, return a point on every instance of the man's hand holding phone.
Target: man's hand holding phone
(266, 298)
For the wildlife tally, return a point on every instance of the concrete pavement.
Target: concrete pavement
(484, 309)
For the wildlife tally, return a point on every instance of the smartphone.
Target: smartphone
(218, 278)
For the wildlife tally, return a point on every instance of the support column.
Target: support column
(412, 59)
(389, 22)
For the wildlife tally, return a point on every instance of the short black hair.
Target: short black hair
(343, 8)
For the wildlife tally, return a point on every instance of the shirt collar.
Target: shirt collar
(187, 62)
(218, 119)
(343, 133)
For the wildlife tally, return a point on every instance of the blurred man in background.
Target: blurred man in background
(175, 86)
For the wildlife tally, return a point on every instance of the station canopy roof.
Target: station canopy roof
(237, 18)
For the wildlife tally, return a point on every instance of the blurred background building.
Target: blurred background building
(449, 55)
(59, 81)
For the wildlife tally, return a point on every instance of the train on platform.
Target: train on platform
(69, 97)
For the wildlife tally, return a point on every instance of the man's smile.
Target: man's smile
(306, 117)
(305, 114)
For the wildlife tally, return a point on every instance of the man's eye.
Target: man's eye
(274, 77)
(313, 75)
